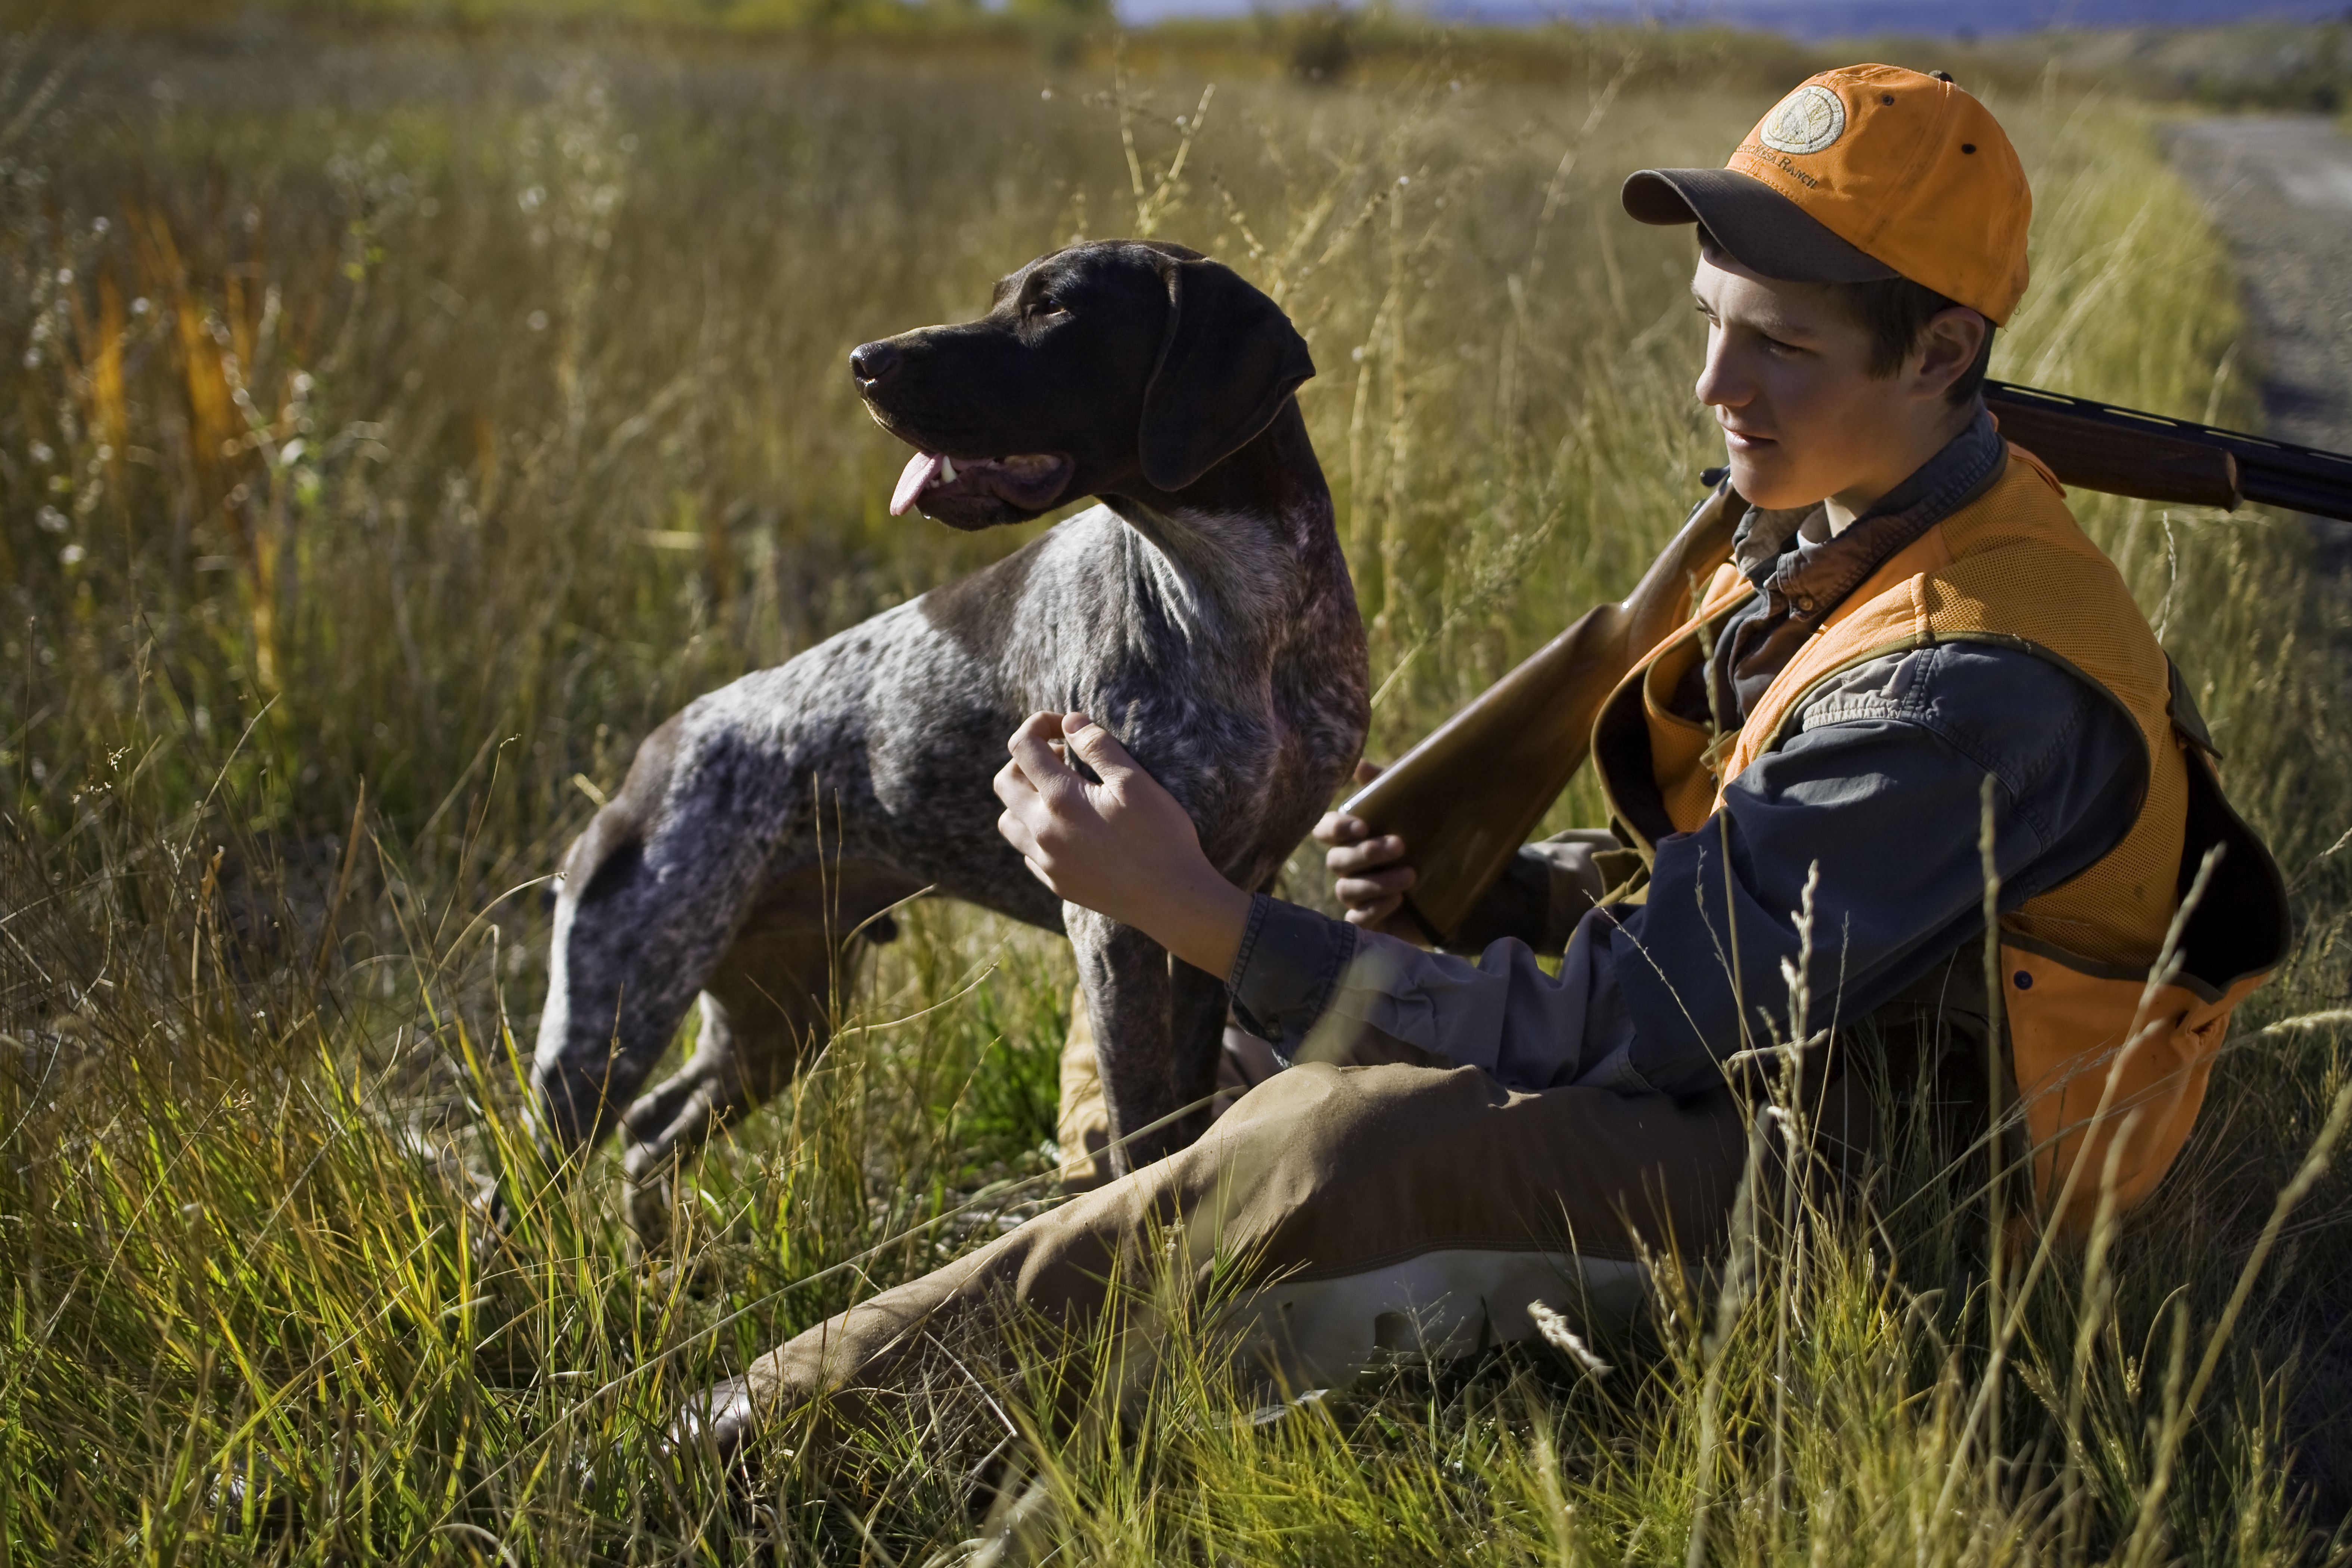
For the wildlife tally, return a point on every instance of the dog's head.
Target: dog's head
(1117, 367)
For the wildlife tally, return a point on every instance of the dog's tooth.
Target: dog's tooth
(947, 470)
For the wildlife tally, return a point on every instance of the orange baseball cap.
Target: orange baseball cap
(1864, 173)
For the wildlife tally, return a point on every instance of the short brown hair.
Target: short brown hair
(1895, 311)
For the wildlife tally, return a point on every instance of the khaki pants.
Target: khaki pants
(1390, 1207)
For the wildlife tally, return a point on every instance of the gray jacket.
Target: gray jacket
(1877, 784)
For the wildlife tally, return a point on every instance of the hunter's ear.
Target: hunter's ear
(1228, 359)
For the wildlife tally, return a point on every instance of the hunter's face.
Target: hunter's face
(1787, 374)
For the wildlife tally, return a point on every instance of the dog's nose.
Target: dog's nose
(872, 363)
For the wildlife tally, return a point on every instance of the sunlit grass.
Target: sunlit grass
(438, 420)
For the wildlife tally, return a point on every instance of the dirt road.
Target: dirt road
(2282, 188)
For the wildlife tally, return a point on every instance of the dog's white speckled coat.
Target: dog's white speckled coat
(1212, 627)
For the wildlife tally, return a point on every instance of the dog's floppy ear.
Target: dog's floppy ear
(1229, 359)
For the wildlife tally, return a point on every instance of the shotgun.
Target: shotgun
(1466, 798)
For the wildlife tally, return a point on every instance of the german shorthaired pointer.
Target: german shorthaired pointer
(1203, 612)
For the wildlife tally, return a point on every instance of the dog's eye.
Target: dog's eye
(1046, 305)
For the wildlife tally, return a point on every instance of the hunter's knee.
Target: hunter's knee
(1318, 1128)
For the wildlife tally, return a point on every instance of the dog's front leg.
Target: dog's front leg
(1124, 974)
(1198, 1008)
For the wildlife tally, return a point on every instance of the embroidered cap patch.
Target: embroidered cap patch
(1807, 121)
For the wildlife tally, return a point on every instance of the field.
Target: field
(397, 425)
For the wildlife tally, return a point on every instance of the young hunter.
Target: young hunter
(1909, 611)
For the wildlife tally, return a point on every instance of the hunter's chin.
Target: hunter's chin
(1763, 481)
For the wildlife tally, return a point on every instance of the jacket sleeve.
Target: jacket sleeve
(1880, 787)
(1323, 990)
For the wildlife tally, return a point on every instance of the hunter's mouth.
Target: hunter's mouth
(1027, 481)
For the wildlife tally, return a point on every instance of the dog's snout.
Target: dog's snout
(872, 363)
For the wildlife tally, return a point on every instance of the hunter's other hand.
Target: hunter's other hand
(1123, 847)
(1367, 870)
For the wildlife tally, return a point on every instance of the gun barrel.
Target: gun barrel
(2101, 446)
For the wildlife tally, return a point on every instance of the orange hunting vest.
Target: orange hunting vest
(2110, 1065)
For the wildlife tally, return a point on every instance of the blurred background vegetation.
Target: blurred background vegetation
(404, 408)
(2255, 64)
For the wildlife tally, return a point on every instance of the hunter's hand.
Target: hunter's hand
(1368, 871)
(1122, 848)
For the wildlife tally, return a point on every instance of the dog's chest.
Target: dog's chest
(1235, 676)
(1239, 683)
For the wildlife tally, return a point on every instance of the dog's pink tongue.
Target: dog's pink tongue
(919, 472)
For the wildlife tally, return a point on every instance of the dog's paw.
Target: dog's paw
(668, 1118)
(254, 1493)
(647, 1200)
(717, 1421)
(490, 1217)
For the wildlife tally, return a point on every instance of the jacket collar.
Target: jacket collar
(1807, 572)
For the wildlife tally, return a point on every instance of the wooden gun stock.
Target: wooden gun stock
(1467, 796)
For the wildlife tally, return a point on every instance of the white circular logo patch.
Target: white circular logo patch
(1807, 121)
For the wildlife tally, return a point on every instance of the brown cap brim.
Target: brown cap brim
(1763, 230)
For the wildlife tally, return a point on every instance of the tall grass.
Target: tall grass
(395, 432)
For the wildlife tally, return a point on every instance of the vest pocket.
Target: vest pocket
(2110, 1075)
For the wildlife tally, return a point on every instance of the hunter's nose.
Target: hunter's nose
(872, 363)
